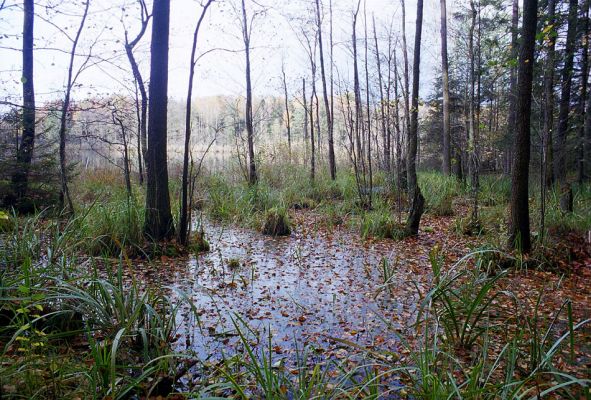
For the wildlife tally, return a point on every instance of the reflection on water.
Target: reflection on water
(307, 288)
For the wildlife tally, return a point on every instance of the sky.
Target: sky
(276, 39)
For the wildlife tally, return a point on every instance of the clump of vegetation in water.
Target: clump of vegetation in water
(5, 222)
(199, 243)
(276, 222)
(469, 226)
(233, 263)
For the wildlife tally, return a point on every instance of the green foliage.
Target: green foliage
(276, 222)
(380, 224)
(578, 221)
(439, 191)
(129, 334)
(6, 223)
(457, 313)
(114, 225)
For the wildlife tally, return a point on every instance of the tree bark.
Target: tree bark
(158, 221)
(329, 117)
(415, 196)
(548, 109)
(445, 78)
(24, 154)
(65, 192)
(384, 121)
(519, 235)
(511, 118)
(184, 218)
(287, 114)
(583, 99)
(560, 165)
(252, 172)
(129, 46)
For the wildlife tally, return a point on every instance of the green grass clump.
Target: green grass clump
(380, 224)
(114, 225)
(494, 190)
(578, 221)
(6, 222)
(276, 222)
(439, 191)
(199, 243)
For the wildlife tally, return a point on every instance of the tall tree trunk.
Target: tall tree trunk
(548, 100)
(129, 46)
(65, 192)
(416, 198)
(158, 221)
(312, 141)
(126, 165)
(384, 122)
(445, 78)
(252, 171)
(359, 134)
(519, 236)
(24, 154)
(184, 219)
(398, 139)
(512, 116)
(140, 148)
(305, 100)
(472, 123)
(560, 164)
(288, 118)
(581, 170)
(587, 136)
(406, 87)
(329, 117)
(367, 101)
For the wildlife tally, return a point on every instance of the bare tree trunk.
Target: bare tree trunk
(406, 87)
(24, 154)
(184, 218)
(305, 116)
(367, 100)
(65, 192)
(139, 136)
(384, 121)
(398, 139)
(581, 171)
(472, 123)
(445, 79)
(329, 117)
(312, 144)
(519, 235)
(158, 221)
(252, 172)
(511, 118)
(126, 169)
(129, 46)
(560, 165)
(548, 108)
(416, 198)
(360, 171)
(288, 121)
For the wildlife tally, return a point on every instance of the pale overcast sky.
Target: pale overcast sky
(274, 38)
